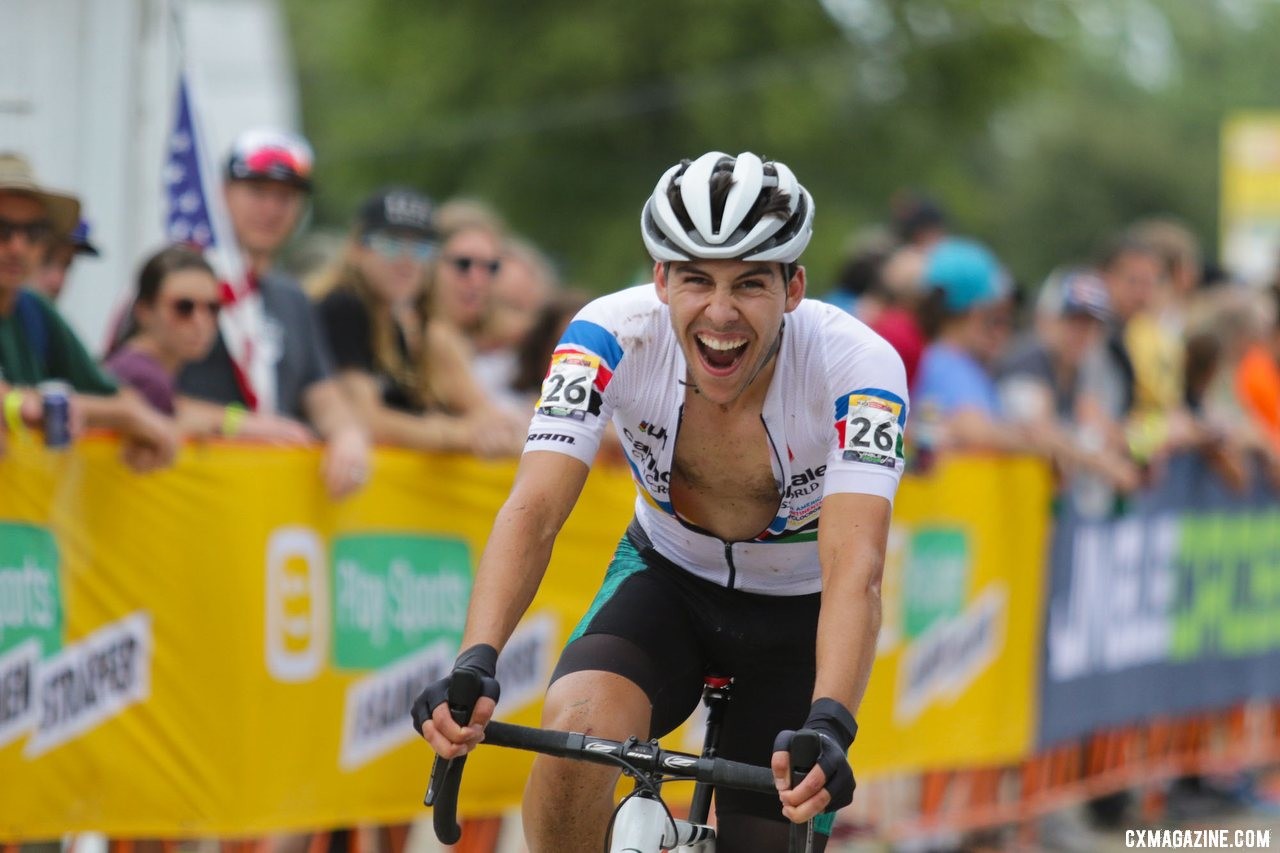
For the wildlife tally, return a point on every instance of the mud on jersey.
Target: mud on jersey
(834, 414)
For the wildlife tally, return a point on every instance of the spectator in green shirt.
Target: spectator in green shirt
(36, 344)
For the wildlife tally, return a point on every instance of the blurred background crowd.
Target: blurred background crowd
(431, 325)
(1036, 202)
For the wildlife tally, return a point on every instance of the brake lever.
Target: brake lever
(465, 688)
(804, 754)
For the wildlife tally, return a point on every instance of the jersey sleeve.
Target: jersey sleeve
(578, 394)
(867, 393)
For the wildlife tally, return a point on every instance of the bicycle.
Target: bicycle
(641, 823)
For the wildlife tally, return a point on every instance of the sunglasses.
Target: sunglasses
(36, 232)
(463, 264)
(390, 247)
(186, 308)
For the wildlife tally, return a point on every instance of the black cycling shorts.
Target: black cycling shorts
(665, 629)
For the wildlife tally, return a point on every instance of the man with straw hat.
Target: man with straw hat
(37, 345)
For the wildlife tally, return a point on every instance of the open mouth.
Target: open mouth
(720, 355)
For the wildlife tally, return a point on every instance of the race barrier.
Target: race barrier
(1172, 609)
(218, 649)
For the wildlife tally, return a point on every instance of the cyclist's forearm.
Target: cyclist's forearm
(848, 626)
(516, 556)
(508, 576)
(852, 555)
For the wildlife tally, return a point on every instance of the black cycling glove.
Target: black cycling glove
(836, 730)
(481, 659)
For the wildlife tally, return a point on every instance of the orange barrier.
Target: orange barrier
(1138, 758)
(964, 800)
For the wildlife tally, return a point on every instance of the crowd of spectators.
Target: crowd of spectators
(417, 334)
(432, 325)
(1107, 368)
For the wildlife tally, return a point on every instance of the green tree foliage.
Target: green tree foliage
(563, 116)
(1129, 128)
(1041, 124)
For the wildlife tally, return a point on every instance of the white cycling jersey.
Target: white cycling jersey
(834, 414)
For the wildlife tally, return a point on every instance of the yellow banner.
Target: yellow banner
(1249, 207)
(955, 677)
(219, 649)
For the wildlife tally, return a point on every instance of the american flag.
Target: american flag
(195, 213)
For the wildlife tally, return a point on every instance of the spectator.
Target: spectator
(407, 375)
(525, 284)
(462, 276)
(1040, 387)
(270, 356)
(175, 315)
(52, 276)
(534, 353)
(1136, 378)
(918, 220)
(36, 344)
(863, 289)
(966, 315)
(1257, 379)
(1183, 269)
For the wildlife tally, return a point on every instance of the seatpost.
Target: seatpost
(715, 695)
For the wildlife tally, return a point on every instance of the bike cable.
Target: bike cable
(644, 784)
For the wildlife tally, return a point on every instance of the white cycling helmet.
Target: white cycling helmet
(736, 229)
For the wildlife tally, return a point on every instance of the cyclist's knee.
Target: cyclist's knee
(597, 703)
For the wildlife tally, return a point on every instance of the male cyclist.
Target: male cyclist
(746, 412)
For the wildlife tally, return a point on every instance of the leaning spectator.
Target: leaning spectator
(526, 283)
(56, 265)
(966, 315)
(1183, 268)
(36, 344)
(461, 278)
(406, 374)
(271, 356)
(175, 313)
(863, 289)
(1257, 378)
(533, 356)
(1040, 383)
(1137, 377)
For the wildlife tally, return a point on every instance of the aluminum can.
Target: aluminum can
(56, 397)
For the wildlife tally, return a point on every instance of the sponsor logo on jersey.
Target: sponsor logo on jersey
(551, 436)
(805, 483)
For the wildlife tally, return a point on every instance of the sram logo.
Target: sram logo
(551, 436)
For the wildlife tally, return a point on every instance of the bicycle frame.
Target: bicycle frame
(643, 825)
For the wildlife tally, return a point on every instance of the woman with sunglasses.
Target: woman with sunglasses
(407, 373)
(175, 314)
(461, 279)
